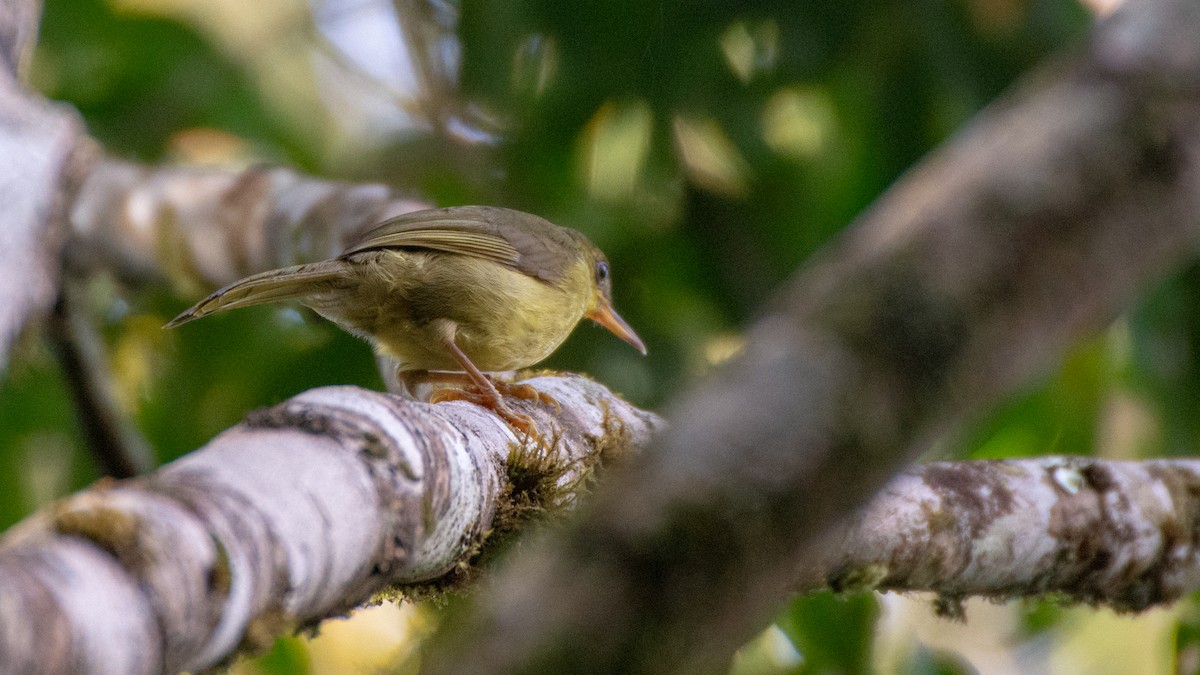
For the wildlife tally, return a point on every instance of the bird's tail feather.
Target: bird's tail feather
(288, 283)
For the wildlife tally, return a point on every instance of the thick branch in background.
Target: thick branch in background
(1122, 534)
(300, 513)
(204, 227)
(1035, 226)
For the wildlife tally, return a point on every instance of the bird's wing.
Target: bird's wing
(439, 230)
(525, 242)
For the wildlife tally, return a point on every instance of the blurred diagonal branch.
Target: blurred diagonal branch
(300, 513)
(427, 28)
(1121, 534)
(1033, 227)
(18, 34)
(117, 443)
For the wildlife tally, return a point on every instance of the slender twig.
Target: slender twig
(114, 440)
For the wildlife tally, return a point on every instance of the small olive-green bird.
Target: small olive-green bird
(460, 290)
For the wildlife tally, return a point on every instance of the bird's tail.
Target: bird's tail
(288, 283)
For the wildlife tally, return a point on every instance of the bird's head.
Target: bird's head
(600, 307)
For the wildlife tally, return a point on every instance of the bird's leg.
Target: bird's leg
(482, 390)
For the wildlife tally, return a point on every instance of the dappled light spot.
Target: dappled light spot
(750, 47)
(534, 64)
(615, 144)
(799, 122)
(710, 158)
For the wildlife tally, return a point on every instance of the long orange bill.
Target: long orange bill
(606, 316)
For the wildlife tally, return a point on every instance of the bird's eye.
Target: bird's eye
(601, 271)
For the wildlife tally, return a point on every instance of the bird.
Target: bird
(451, 294)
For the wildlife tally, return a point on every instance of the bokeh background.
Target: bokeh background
(708, 146)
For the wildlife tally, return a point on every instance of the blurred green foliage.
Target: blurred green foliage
(833, 633)
(138, 79)
(1164, 366)
(709, 147)
(42, 456)
(288, 655)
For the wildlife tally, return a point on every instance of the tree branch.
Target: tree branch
(44, 154)
(204, 227)
(115, 441)
(1122, 534)
(1035, 226)
(301, 512)
(18, 34)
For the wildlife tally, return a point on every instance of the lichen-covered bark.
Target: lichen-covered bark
(299, 513)
(1122, 534)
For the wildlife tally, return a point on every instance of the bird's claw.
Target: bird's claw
(524, 392)
(521, 423)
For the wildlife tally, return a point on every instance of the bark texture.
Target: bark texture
(1121, 534)
(44, 154)
(204, 227)
(1033, 227)
(300, 513)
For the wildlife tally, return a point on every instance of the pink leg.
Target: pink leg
(480, 389)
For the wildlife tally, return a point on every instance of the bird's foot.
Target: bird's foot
(521, 423)
(524, 392)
